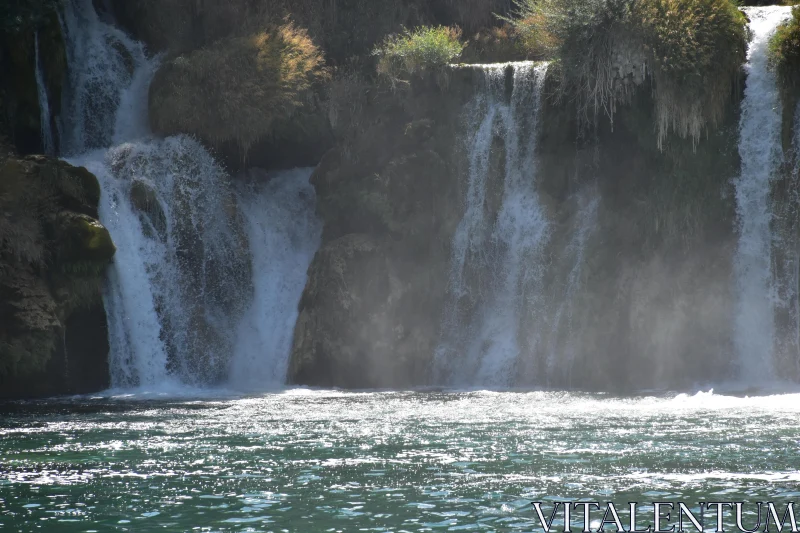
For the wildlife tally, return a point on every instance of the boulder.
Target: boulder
(53, 255)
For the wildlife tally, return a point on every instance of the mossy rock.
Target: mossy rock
(84, 239)
(53, 256)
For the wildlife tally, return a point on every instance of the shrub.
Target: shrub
(695, 50)
(691, 50)
(236, 89)
(415, 52)
(784, 50)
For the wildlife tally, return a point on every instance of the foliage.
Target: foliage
(237, 88)
(691, 50)
(784, 50)
(417, 51)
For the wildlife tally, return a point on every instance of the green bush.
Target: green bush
(691, 51)
(415, 52)
(784, 50)
(236, 89)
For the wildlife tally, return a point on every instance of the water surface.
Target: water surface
(311, 461)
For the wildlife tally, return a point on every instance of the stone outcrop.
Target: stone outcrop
(390, 198)
(53, 256)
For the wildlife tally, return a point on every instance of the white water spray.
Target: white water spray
(561, 349)
(180, 297)
(284, 235)
(760, 151)
(497, 263)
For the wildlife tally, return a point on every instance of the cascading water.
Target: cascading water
(497, 262)
(48, 141)
(191, 252)
(561, 349)
(102, 63)
(283, 246)
(761, 155)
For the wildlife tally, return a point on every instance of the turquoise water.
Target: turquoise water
(313, 461)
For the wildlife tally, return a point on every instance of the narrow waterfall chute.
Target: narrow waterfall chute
(48, 141)
(761, 156)
(284, 235)
(497, 264)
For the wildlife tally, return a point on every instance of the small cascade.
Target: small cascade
(561, 345)
(761, 155)
(102, 64)
(284, 235)
(497, 264)
(192, 254)
(48, 141)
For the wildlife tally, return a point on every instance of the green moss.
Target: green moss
(82, 239)
(784, 55)
(418, 51)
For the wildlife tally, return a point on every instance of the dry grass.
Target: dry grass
(237, 88)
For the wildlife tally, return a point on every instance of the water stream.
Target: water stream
(207, 277)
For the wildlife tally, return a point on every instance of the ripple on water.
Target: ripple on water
(379, 461)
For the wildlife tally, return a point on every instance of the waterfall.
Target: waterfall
(283, 246)
(561, 347)
(102, 63)
(48, 142)
(497, 263)
(761, 155)
(206, 281)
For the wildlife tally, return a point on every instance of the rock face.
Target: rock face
(390, 198)
(53, 255)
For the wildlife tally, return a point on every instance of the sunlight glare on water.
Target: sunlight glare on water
(313, 461)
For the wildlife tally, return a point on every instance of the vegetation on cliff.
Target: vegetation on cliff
(344, 29)
(784, 50)
(691, 51)
(418, 51)
(237, 88)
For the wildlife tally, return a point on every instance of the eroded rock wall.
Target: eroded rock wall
(53, 256)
